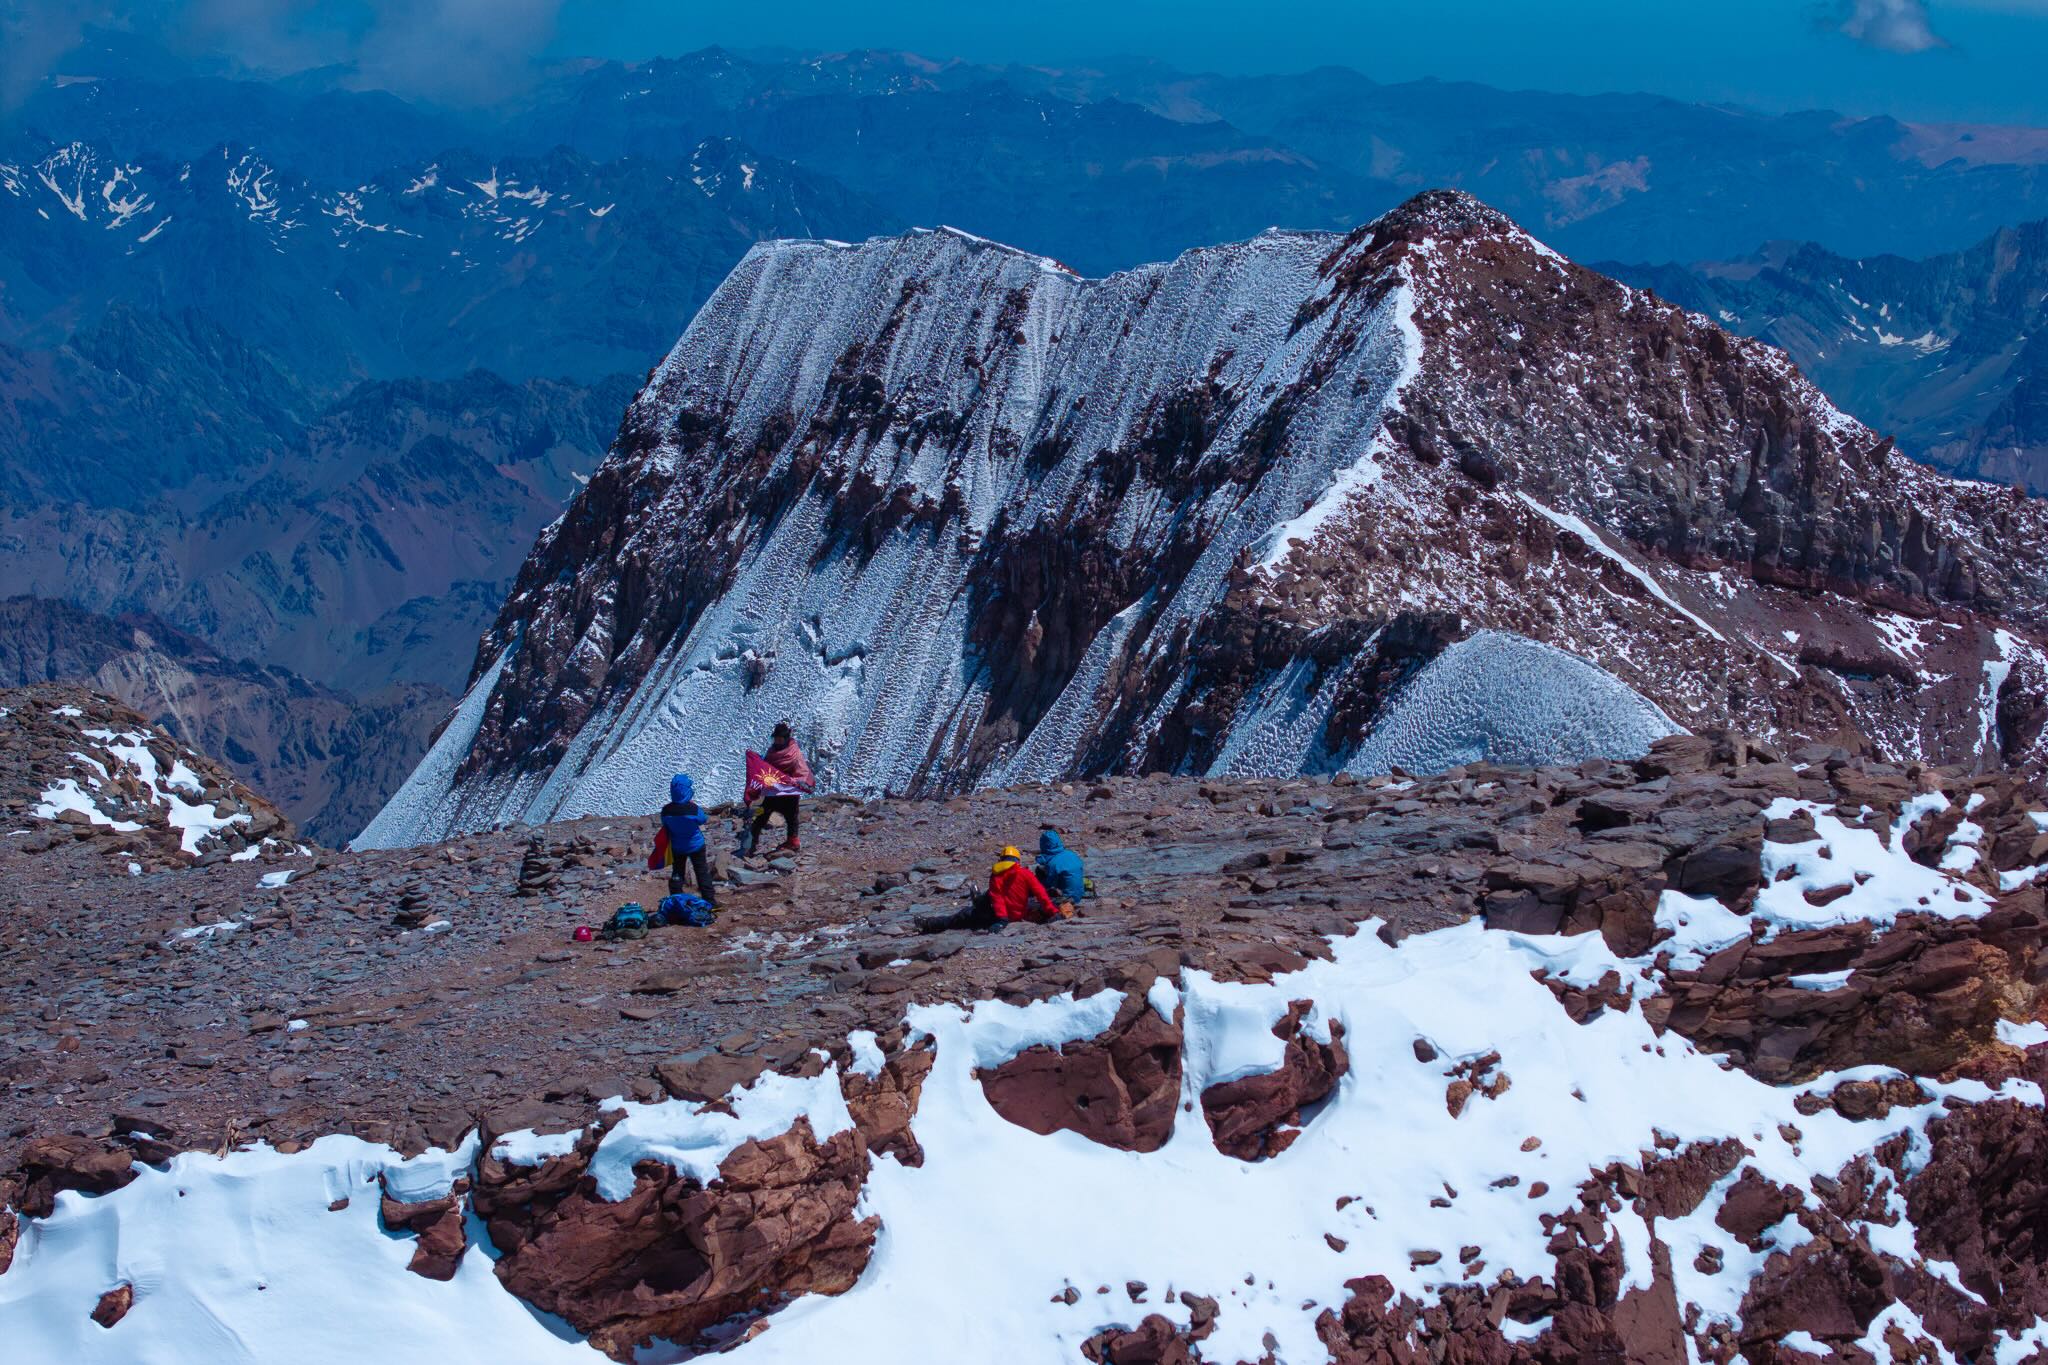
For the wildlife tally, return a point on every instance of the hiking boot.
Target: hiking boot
(790, 845)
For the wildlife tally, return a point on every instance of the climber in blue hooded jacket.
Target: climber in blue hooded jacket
(680, 840)
(1059, 867)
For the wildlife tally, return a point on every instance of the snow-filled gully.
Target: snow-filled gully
(256, 1257)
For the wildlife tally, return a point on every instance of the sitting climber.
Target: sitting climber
(783, 780)
(1014, 893)
(1059, 867)
(680, 840)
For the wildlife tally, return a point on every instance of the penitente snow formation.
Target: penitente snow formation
(1418, 495)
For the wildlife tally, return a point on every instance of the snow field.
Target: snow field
(65, 794)
(1506, 699)
(1883, 883)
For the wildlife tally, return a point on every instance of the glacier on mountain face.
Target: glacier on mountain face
(1278, 731)
(1501, 698)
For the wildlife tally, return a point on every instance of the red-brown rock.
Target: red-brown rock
(1120, 1088)
(1256, 1117)
(884, 1106)
(54, 1164)
(1672, 1186)
(1925, 996)
(1154, 1341)
(1753, 1206)
(1982, 1201)
(114, 1304)
(438, 1223)
(675, 1257)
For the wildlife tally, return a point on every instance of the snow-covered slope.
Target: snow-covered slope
(1498, 698)
(964, 517)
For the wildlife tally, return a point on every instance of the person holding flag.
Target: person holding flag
(778, 780)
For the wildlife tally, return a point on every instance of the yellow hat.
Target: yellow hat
(1010, 851)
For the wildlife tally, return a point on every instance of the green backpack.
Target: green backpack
(628, 921)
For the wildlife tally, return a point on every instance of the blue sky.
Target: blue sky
(1975, 59)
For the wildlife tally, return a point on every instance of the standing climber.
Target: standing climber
(1014, 893)
(786, 782)
(680, 840)
(1059, 867)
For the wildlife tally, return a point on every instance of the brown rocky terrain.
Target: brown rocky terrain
(411, 996)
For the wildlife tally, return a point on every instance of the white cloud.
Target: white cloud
(1893, 25)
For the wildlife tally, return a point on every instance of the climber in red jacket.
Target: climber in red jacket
(1013, 887)
(1014, 893)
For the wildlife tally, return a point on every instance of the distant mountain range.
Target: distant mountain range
(1946, 354)
(301, 370)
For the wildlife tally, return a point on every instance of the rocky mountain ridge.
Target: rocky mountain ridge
(429, 269)
(1721, 1053)
(81, 769)
(328, 759)
(360, 552)
(965, 517)
(200, 275)
(1942, 353)
(1604, 175)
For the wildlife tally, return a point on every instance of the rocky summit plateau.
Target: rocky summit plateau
(1529, 678)
(1725, 1052)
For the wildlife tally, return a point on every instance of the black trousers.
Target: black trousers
(784, 806)
(980, 915)
(697, 863)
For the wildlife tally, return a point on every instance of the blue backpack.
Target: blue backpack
(683, 908)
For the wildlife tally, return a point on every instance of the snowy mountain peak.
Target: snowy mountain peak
(964, 517)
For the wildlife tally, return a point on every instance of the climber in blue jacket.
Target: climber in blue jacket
(1059, 867)
(680, 840)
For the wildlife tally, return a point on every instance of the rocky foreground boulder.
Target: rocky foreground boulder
(1723, 1053)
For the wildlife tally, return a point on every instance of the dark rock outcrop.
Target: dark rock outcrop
(438, 1224)
(52, 1165)
(114, 1304)
(1924, 996)
(1981, 1201)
